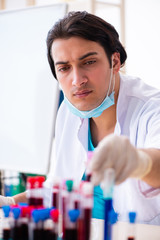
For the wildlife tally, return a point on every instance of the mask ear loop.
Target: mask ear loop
(113, 83)
(111, 76)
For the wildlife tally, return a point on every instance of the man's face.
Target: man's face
(83, 71)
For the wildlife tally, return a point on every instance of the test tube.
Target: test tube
(49, 233)
(88, 172)
(107, 187)
(46, 223)
(63, 200)
(37, 227)
(113, 216)
(54, 213)
(16, 230)
(87, 204)
(6, 227)
(71, 231)
(76, 197)
(25, 221)
(39, 180)
(31, 191)
(131, 226)
(80, 221)
(55, 193)
(68, 204)
(70, 195)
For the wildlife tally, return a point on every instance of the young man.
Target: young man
(116, 116)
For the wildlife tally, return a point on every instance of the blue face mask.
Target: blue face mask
(96, 112)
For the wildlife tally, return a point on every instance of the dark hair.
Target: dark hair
(87, 26)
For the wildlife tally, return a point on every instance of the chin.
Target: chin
(81, 108)
(84, 108)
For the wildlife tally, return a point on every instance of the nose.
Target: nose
(78, 77)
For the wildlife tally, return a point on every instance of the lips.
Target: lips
(82, 93)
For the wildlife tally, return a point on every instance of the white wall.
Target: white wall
(142, 32)
(143, 40)
(28, 93)
(14, 4)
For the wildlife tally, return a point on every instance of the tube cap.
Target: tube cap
(132, 217)
(54, 215)
(113, 216)
(74, 214)
(16, 212)
(69, 185)
(36, 215)
(39, 181)
(6, 210)
(30, 182)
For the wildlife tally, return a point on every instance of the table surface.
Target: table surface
(120, 230)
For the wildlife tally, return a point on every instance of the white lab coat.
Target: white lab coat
(138, 118)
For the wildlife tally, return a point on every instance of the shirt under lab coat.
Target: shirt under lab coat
(138, 118)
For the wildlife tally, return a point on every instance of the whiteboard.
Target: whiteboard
(29, 94)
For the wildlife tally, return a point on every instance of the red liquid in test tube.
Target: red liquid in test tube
(31, 191)
(87, 204)
(71, 234)
(6, 234)
(55, 193)
(76, 197)
(55, 217)
(88, 173)
(24, 221)
(39, 191)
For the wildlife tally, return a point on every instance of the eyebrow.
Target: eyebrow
(87, 55)
(81, 58)
(61, 62)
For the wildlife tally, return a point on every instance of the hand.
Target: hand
(6, 201)
(118, 153)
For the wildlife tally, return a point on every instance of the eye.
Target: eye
(90, 62)
(63, 69)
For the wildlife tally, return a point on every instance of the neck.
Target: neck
(105, 123)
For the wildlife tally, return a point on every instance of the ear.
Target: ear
(116, 62)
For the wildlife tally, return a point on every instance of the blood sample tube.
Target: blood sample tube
(48, 226)
(88, 172)
(6, 227)
(63, 201)
(76, 198)
(71, 231)
(87, 204)
(55, 193)
(69, 203)
(70, 195)
(54, 213)
(16, 233)
(80, 221)
(49, 233)
(39, 191)
(31, 191)
(24, 222)
(37, 227)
